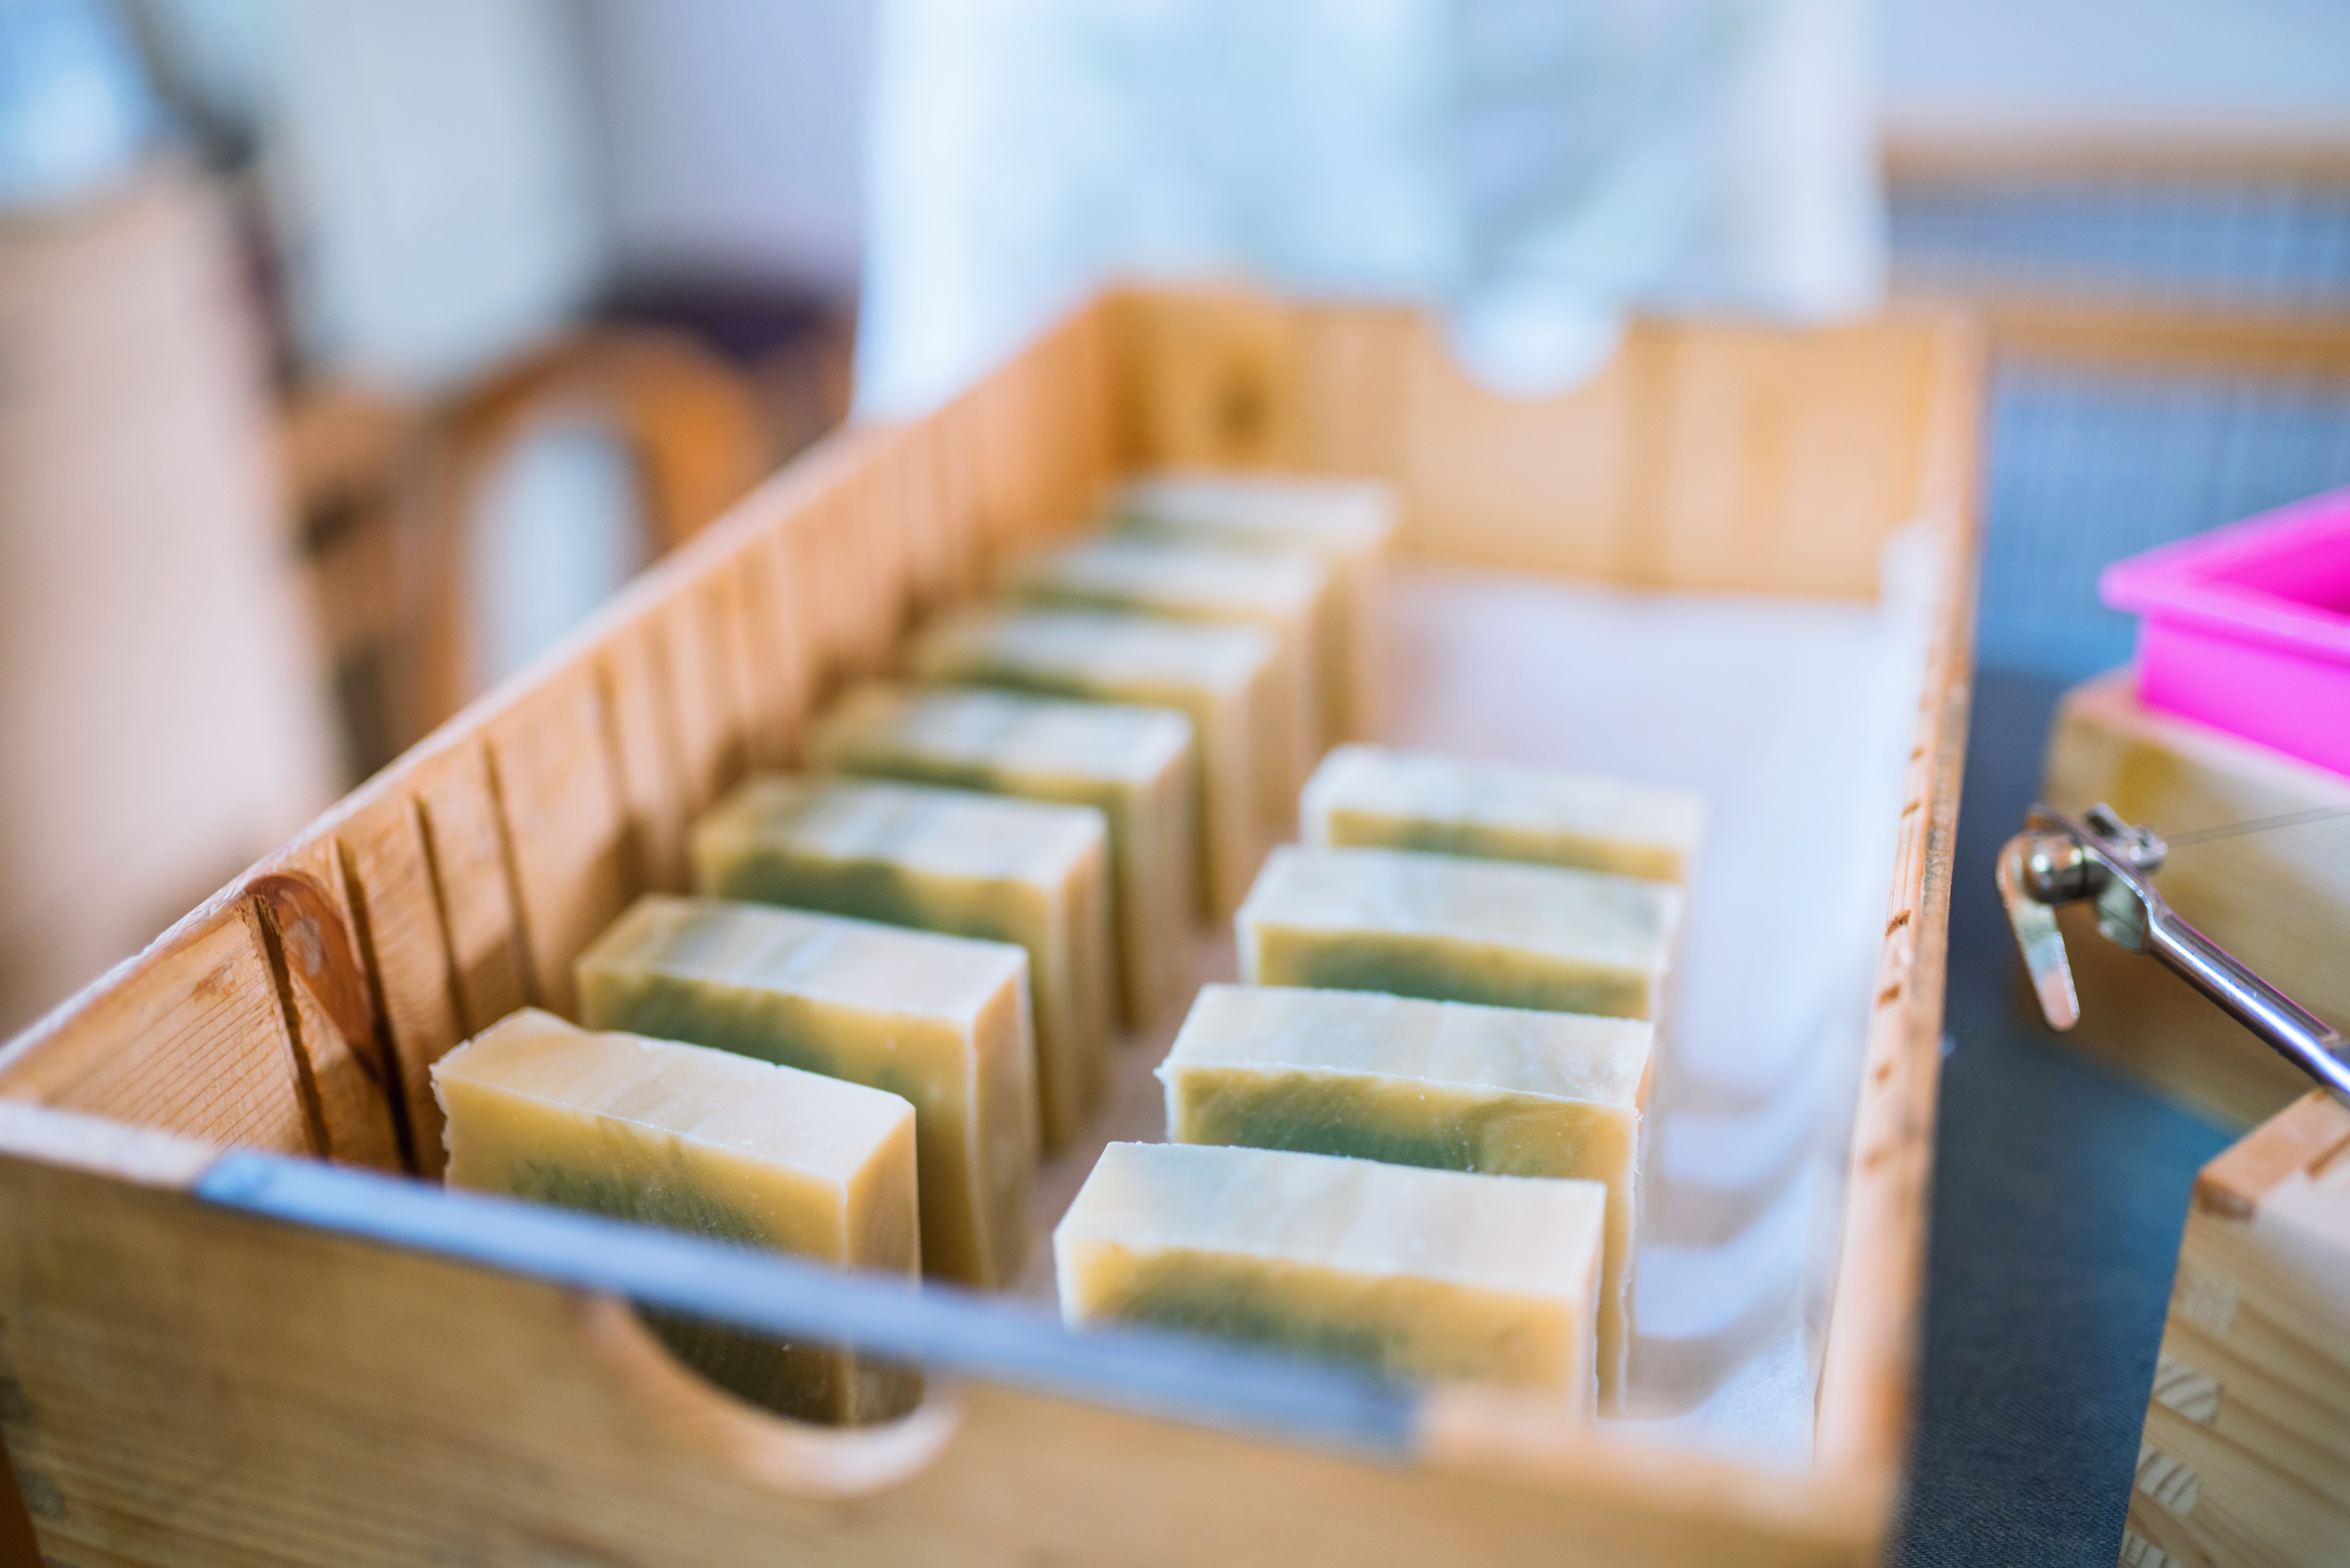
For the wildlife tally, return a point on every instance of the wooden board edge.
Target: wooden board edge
(141, 1155)
(2299, 1136)
(1869, 1368)
(1500, 1435)
(2110, 702)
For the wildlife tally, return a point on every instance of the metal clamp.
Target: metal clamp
(2057, 860)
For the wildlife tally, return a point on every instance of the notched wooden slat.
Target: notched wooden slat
(315, 962)
(191, 1039)
(464, 841)
(647, 756)
(572, 854)
(396, 923)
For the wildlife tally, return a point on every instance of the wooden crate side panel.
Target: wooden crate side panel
(397, 922)
(1078, 409)
(887, 488)
(767, 650)
(1706, 457)
(957, 433)
(1543, 485)
(692, 635)
(1868, 1369)
(1209, 379)
(1356, 402)
(465, 847)
(632, 676)
(832, 582)
(191, 1037)
(927, 557)
(1793, 455)
(292, 1416)
(574, 860)
(2246, 1452)
(311, 938)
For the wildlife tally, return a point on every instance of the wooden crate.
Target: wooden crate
(224, 1356)
(2279, 900)
(2246, 1455)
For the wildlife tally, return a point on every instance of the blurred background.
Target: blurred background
(351, 350)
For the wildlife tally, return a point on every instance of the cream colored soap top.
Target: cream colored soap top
(1623, 824)
(1177, 576)
(1002, 733)
(1591, 917)
(1564, 1056)
(1513, 1235)
(923, 828)
(1357, 513)
(1097, 650)
(821, 1127)
(856, 964)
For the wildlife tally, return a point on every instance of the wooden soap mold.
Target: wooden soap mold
(215, 1347)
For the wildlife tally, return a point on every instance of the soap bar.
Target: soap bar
(949, 861)
(1348, 525)
(1412, 1274)
(1456, 930)
(1134, 765)
(1443, 1084)
(706, 1142)
(1285, 593)
(1383, 798)
(940, 1021)
(1220, 678)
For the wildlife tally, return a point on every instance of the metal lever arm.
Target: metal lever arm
(2057, 860)
(2308, 1042)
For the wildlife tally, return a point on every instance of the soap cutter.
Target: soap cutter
(2058, 860)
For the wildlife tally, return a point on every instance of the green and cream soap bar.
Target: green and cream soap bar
(1134, 765)
(1287, 593)
(1380, 797)
(1225, 679)
(1456, 929)
(1431, 1274)
(1445, 1085)
(1347, 524)
(702, 1142)
(942, 1021)
(952, 861)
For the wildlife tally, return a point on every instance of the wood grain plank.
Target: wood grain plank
(1542, 484)
(387, 876)
(1868, 1366)
(389, 1409)
(310, 934)
(464, 846)
(2252, 1398)
(1210, 379)
(574, 860)
(189, 1037)
(1793, 454)
(1355, 388)
(632, 674)
(707, 712)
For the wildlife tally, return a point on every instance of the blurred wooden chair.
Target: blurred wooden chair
(689, 425)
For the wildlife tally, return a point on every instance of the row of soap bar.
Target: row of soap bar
(873, 1097)
(1438, 1188)
(1247, 606)
(1032, 890)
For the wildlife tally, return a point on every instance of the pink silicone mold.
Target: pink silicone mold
(2246, 627)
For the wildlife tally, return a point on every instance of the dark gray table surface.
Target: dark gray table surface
(2060, 1192)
